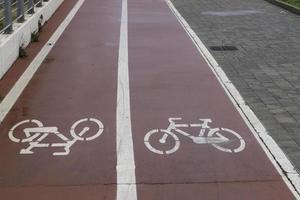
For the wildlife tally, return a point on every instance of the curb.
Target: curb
(286, 6)
(21, 36)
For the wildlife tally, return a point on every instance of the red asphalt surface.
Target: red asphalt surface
(168, 78)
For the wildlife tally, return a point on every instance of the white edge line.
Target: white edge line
(23, 81)
(275, 154)
(126, 180)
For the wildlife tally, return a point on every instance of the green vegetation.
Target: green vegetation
(295, 3)
(35, 36)
(22, 52)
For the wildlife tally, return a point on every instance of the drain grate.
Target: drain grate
(223, 48)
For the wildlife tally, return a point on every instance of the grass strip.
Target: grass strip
(295, 3)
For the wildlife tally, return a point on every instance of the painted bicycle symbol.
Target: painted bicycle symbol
(35, 136)
(165, 141)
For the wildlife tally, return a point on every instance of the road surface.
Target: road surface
(125, 107)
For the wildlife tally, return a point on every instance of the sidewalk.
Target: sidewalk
(125, 107)
(266, 67)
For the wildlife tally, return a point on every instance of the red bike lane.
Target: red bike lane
(170, 79)
(77, 82)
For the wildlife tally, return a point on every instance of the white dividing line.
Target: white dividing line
(272, 150)
(20, 85)
(126, 188)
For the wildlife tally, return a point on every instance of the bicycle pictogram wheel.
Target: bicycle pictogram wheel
(80, 134)
(22, 137)
(157, 135)
(234, 144)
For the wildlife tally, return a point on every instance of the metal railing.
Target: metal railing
(12, 11)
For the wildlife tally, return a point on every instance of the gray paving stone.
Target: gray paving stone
(284, 118)
(266, 67)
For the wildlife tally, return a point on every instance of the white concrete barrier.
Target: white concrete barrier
(21, 36)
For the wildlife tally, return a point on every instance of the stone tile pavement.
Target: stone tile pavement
(265, 68)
